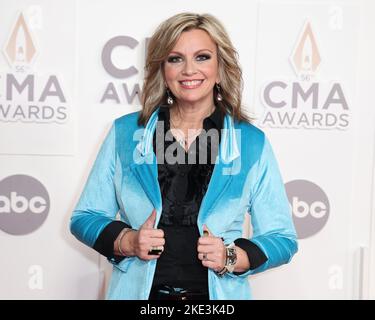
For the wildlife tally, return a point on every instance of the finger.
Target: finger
(209, 240)
(157, 242)
(203, 256)
(157, 233)
(150, 222)
(157, 256)
(207, 248)
(152, 233)
(210, 264)
(151, 242)
(150, 257)
(205, 240)
(216, 256)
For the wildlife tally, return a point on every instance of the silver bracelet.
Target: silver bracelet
(230, 260)
(122, 234)
(224, 270)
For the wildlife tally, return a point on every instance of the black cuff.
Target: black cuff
(104, 243)
(254, 253)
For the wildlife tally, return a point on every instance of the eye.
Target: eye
(203, 57)
(174, 59)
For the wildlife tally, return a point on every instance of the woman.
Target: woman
(182, 173)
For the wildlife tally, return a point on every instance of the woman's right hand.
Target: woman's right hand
(141, 241)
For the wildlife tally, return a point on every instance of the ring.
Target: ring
(155, 250)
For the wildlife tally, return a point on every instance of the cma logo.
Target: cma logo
(310, 207)
(120, 92)
(24, 204)
(298, 95)
(305, 103)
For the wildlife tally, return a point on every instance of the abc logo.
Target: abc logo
(309, 205)
(24, 204)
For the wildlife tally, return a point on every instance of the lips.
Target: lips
(191, 84)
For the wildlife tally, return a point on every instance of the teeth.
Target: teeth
(191, 83)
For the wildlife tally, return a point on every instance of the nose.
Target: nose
(189, 68)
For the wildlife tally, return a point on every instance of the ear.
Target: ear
(166, 85)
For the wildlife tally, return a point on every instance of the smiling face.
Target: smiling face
(191, 68)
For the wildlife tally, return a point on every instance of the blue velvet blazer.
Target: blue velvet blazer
(245, 180)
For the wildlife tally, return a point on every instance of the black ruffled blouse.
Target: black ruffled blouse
(183, 185)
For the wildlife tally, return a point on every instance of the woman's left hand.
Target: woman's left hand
(211, 251)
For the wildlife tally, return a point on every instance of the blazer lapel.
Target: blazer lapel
(223, 172)
(145, 166)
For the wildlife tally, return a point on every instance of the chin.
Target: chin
(192, 99)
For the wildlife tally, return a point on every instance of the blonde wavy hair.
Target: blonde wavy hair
(163, 41)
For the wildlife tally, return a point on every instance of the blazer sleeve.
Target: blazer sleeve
(97, 206)
(272, 223)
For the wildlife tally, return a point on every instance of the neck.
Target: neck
(190, 116)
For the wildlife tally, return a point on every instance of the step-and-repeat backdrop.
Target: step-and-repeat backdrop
(68, 68)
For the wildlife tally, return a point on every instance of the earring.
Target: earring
(169, 97)
(219, 97)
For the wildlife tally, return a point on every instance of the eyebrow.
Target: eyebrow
(194, 53)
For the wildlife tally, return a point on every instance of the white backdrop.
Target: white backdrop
(58, 96)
